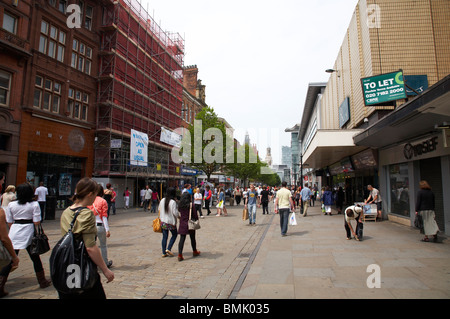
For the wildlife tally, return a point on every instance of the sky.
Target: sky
(256, 57)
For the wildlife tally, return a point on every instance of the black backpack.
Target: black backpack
(71, 268)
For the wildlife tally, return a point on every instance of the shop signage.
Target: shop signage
(138, 148)
(344, 112)
(417, 82)
(413, 150)
(383, 88)
(170, 137)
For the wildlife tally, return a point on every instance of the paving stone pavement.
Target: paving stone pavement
(247, 262)
(226, 244)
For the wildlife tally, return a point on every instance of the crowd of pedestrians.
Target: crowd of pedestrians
(23, 208)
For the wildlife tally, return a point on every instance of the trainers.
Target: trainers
(168, 252)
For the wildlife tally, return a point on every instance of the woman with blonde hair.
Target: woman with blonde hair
(425, 204)
(9, 196)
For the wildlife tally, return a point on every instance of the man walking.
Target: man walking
(250, 203)
(283, 205)
(264, 199)
(147, 197)
(40, 194)
(305, 196)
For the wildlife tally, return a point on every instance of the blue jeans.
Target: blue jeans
(165, 233)
(251, 213)
(284, 219)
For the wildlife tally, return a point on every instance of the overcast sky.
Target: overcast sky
(256, 57)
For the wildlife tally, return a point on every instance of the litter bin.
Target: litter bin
(50, 208)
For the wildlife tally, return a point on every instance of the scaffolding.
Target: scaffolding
(140, 87)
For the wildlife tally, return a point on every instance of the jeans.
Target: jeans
(155, 205)
(252, 213)
(172, 239)
(284, 219)
(265, 207)
(101, 234)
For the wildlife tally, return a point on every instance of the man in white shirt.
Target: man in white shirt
(147, 197)
(40, 195)
(375, 198)
(353, 213)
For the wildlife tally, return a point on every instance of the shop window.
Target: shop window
(5, 87)
(10, 23)
(399, 183)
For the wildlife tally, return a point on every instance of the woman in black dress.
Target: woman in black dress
(184, 206)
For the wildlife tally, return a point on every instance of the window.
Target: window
(88, 19)
(52, 2)
(78, 104)
(81, 57)
(47, 94)
(10, 23)
(52, 41)
(62, 6)
(5, 87)
(399, 185)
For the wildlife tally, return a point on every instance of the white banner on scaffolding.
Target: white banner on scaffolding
(138, 148)
(170, 137)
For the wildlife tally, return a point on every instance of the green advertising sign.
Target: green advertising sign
(383, 88)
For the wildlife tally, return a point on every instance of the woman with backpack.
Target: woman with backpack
(85, 228)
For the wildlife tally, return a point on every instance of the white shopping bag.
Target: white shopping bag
(292, 220)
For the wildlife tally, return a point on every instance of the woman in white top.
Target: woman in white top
(168, 214)
(20, 216)
(198, 201)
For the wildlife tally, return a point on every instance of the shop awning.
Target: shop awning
(415, 118)
(330, 146)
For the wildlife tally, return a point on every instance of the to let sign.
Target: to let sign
(383, 88)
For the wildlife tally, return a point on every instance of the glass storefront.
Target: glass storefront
(399, 185)
(59, 173)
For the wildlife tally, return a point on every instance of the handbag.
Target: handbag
(157, 224)
(418, 223)
(193, 224)
(5, 257)
(245, 214)
(39, 243)
(71, 269)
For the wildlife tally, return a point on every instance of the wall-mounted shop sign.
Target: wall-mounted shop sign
(383, 88)
(413, 150)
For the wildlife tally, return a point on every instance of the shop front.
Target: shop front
(413, 144)
(405, 165)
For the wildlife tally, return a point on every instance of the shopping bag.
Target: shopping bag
(292, 220)
(220, 205)
(245, 214)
